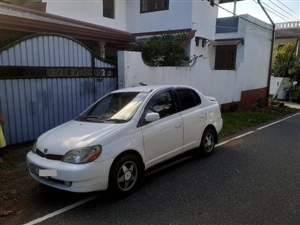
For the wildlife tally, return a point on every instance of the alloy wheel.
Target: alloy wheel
(127, 176)
(209, 142)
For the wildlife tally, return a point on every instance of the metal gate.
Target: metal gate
(46, 80)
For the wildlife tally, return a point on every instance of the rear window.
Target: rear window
(188, 98)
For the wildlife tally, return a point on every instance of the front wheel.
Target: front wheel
(125, 174)
(208, 142)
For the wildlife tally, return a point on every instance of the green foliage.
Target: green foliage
(294, 94)
(296, 73)
(285, 61)
(165, 50)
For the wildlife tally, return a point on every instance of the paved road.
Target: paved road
(251, 180)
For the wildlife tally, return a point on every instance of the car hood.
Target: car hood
(73, 134)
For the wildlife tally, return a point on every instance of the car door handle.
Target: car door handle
(178, 125)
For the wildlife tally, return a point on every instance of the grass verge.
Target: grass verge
(234, 122)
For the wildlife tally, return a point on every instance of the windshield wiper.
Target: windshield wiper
(117, 120)
(89, 118)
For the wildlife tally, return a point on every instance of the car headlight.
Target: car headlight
(82, 155)
(34, 147)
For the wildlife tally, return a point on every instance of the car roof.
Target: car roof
(149, 88)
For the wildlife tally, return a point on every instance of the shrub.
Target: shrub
(294, 94)
(165, 50)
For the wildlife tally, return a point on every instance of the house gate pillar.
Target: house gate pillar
(102, 49)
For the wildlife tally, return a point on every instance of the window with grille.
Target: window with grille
(154, 5)
(225, 57)
(109, 9)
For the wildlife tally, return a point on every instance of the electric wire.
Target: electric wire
(288, 8)
(286, 32)
(282, 9)
(242, 17)
(271, 10)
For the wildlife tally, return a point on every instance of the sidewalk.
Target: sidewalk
(292, 105)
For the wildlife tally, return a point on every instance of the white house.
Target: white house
(230, 55)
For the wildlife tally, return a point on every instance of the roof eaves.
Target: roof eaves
(28, 25)
(7, 10)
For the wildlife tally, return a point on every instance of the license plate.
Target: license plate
(34, 169)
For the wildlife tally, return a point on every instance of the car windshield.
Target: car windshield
(116, 107)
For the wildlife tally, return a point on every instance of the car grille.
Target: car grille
(49, 156)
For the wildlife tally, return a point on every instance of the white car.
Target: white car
(126, 132)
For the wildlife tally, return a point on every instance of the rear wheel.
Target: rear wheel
(208, 142)
(125, 174)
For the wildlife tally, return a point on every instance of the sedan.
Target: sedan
(114, 141)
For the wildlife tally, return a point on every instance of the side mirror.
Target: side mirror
(151, 117)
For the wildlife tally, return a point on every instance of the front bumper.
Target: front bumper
(86, 177)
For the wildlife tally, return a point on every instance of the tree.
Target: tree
(285, 61)
(165, 50)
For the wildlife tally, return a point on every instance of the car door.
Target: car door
(162, 138)
(193, 114)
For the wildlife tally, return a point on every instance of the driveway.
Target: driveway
(252, 179)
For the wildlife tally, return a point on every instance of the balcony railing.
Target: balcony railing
(288, 25)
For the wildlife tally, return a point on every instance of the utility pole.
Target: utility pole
(234, 8)
(271, 52)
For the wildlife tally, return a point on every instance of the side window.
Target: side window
(197, 98)
(188, 98)
(162, 103)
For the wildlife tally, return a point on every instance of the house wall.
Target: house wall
(245, 85)
(204, 18)
(132, 71)
(258, 43)
(252, 62)
(224, 85)
(177, 17)
(181, 15)
(89, 11)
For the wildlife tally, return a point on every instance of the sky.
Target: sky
(279, 10)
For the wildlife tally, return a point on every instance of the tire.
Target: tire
(125, 175)
(208, 142)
